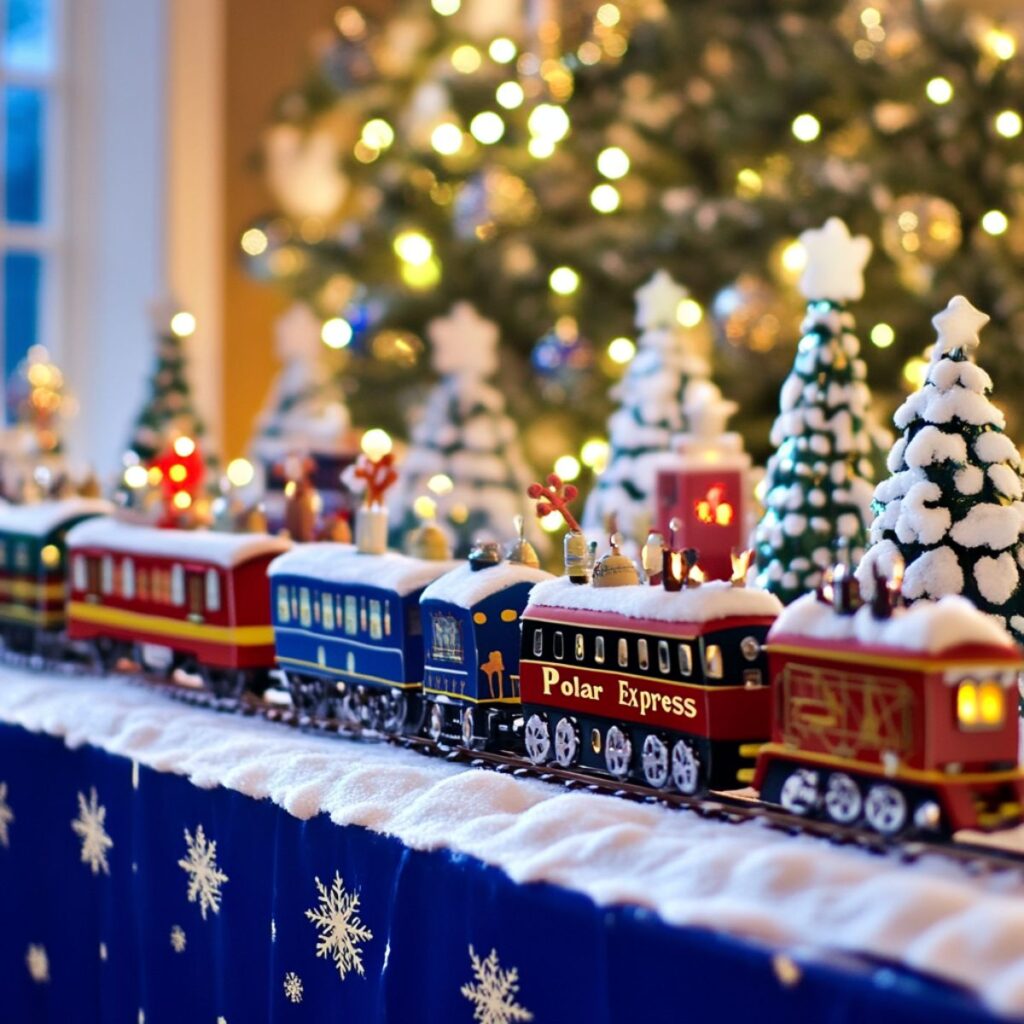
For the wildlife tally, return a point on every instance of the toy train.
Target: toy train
(884, 718)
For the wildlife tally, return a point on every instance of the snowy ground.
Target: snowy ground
(742, 879)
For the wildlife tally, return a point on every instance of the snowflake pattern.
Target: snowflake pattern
(6, 817)
(178, 940)
(293, 987)
(341, 931)
(205, 877)
(88, 826)
(38, 964)
(493, 992)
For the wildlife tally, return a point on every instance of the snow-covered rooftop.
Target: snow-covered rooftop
(223, 549)
(343, 563)
(928, 627)
(717, 599)
(38, 519)
(466, 589)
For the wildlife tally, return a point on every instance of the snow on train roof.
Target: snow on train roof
(717, 599)
(343, 563)
(928, 627)
(223, 549)
(465, 588)
(39, 518)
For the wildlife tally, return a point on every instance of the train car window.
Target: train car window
(92, 572)
(664, 658)
(21, 558)
(713, 667)
(685, 660)
(106, 574)
(327, 603)
(581, 649)
(538, 642)
(446, 637)
(316, 606)
(387, 618)
(127, 579)
(305, 608)
(376, 620)
(641, 653)
(623, 652)
(351, 615)
(339, 611)
(413, 619)
(177, 585)
(282, 604)
(559, 645)
(142, 585)
(980, 706)
(362, 614)
(212, 590)
(599, 649)
(295, 601)
(3, 553)
(78, 575)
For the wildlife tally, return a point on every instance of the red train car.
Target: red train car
(669, 688)
(174, 598)
(896, 723)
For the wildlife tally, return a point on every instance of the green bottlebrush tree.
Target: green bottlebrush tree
(817, 488)
(951, 510)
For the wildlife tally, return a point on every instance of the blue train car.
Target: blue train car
(347, 633)
(471, 676)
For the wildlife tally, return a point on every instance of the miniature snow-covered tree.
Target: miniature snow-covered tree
(305, 412)
(169, 411)
(463, 454)
(952, 507)
(650, 414)
(818, 483)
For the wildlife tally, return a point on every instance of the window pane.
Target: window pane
(28, 35)
(25, 113)
(23, 273)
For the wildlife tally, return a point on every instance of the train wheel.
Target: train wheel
(843, 800)
(654, 758)
(685, 768)
(537, 739)
(567, 742)
(435, 722)
(391, 712)
(886, 809)
(470, 739)
(618, 752)
(799, 793)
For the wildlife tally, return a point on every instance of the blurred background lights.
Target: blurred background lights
(547, 121)
(939, 90)
(441, 483)
(914, 371)
(466, 59)
(254, 242)
(446, 138)
(605, 198)
(794, 258)
(336, 332)
(882, 335)
(183, 324)
(136, 476)
(552, 522)
(181, 500)
(613, 162)
(240, 472)
(564, 280)
(1008, 124)
(509, 95)
(502, 50)
(424, 507)
(806, 127)
(378, 134)
(541, 149)
(621, 350)
(609, 15)
(994, 222)
(487, 127)
(689, 313)
(184, 446)
(1000, 43)
(567, 467)
(446, 7)
(413, 247)
(594, 454)
(376, 443)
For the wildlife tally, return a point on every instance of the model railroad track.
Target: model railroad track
(978, 859)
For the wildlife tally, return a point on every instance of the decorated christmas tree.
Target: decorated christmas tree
(951, 510)
(817, 488)
(463, 460)
(169, 411)
(305, 412)
(651, 397)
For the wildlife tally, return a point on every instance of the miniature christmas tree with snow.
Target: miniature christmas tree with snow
(952, 507)
(651, 411)
(305, 413)
(463, 460)
(169, 411)
(818, 483)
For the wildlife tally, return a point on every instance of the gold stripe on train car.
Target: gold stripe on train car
(239, 636)
(31, 589)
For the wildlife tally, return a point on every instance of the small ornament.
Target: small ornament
(484, 555)
(921, 228)
(301, 500)
(652, 558)
(554, 496)
(614, 569)
(562, 358)
(521, 551)
(835, 263)
(375, 477)
(749, 313)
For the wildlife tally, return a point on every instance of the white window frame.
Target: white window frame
(128, 578)
(79, 575)
(177, 585)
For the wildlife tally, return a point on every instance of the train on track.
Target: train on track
(879, 718)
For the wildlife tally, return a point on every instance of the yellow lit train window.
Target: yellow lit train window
(351, 615)
(387, 618)
(376, 620)
(282, 604)
(713, 666)
(305, 608)
(327, 602)
(641, 652)
(362, 614)
(315, 598)
(509, 615)
(980, 706)
(580, 647)
(623, 652)
(50, 556)
(599, 649)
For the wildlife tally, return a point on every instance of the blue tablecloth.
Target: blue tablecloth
(98, 924)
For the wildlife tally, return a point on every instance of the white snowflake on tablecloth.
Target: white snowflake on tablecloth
(88, 826)
(205, 877)
(341, 931)
(6, 817)
(293, 987)
(38, 964)
(493, 992)
(178, 940)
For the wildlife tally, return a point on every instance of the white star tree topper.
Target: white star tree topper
(6, 817)
(341, 932)
(493, 991)
(957, 326)
(89, 826)
(657, 302)
(835, 262)
(465, 344)
(205, 877)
